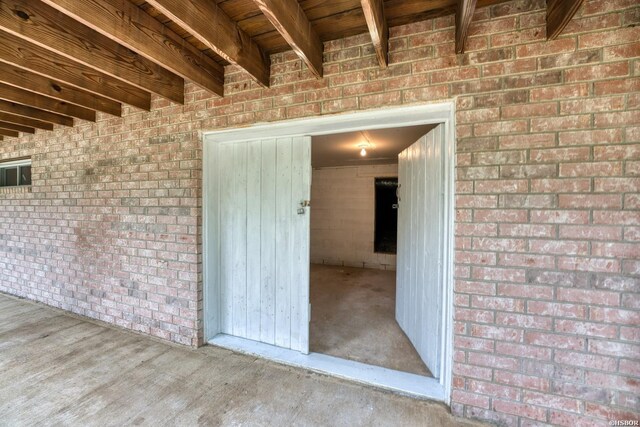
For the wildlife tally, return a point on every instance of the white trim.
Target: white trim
(363, 120)
(14, 163)
(338, 123)
(403, 382)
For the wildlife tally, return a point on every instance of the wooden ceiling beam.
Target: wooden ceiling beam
(25, 121)
(35, 113)
(49, 28)
(211, 26)
(8, 132)
(377, 24)
(464, 15)
(19, 128)
(45, 86)
(559, 14)
(288, 17)
(21, 96)
(132, 27)
(24, 54)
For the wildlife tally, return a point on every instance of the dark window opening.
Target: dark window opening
(10, 177)
(386, 222)
(25, 175)
(13, 175)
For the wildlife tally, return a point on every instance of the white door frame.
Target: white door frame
(441, 113)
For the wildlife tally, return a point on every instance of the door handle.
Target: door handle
(302, 205)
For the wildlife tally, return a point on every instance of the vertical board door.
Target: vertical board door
(263, 258)
(420, 246)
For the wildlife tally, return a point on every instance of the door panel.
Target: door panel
(264, 242)
(420, 241)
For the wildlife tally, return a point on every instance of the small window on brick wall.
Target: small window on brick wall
(15, 173)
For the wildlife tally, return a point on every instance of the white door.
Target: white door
(420, 246)
(263, 239)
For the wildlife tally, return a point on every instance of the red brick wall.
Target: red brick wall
(548, 213)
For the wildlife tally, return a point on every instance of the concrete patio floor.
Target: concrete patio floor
(59, 369)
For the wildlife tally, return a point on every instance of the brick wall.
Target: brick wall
(343, 216)
(548, 212)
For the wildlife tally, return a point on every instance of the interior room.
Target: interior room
(354, 224)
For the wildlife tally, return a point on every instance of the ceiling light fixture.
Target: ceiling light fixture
(364, 146)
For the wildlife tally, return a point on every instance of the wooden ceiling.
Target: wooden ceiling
(62, 60)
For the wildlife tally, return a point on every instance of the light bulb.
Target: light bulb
(363, 152)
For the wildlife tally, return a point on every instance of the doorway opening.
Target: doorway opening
(386, 222)
(259, 245)
(354, 230)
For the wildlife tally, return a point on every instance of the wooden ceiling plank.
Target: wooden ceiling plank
(559, 14)
(10, 133)
(53, 30)
(464, 15)
(288, 17)
(377, 24)
(211, 26)
(43, 85)
(35, 113)
(24, 54)
(25, 121)
(132, 27)
(21, 96)
(18, 128)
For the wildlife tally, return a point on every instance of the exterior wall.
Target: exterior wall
(343, 216)
(547, 226)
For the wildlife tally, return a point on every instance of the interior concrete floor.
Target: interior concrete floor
(353, 317)
(60, 369)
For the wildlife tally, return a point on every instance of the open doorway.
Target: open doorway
(256, 241)
(354, 229)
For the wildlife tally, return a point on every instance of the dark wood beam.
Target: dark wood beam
(21, 96)
(19, 128)
(33, 82)
(24, 54)
(212, 27)
(7, 132)
(559, 14)
(25, 121)
(132, 27)
(49, 28)
(35, 113)
(288, 17)
(464, 15)
(377, 24)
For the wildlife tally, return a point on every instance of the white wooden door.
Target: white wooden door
(263, 256)
(420, 246)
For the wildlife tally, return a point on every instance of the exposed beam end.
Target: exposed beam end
(208, 23)
(15, 109)
(378, 28)
(25, 121)
(9, 133)
(289, 19)
(16, 127)
(559, 14)
(464, 15)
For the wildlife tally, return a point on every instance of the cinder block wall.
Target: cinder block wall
(343, 216)
(548, 212)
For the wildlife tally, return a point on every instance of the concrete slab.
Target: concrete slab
(353, 317)
(58, 369)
